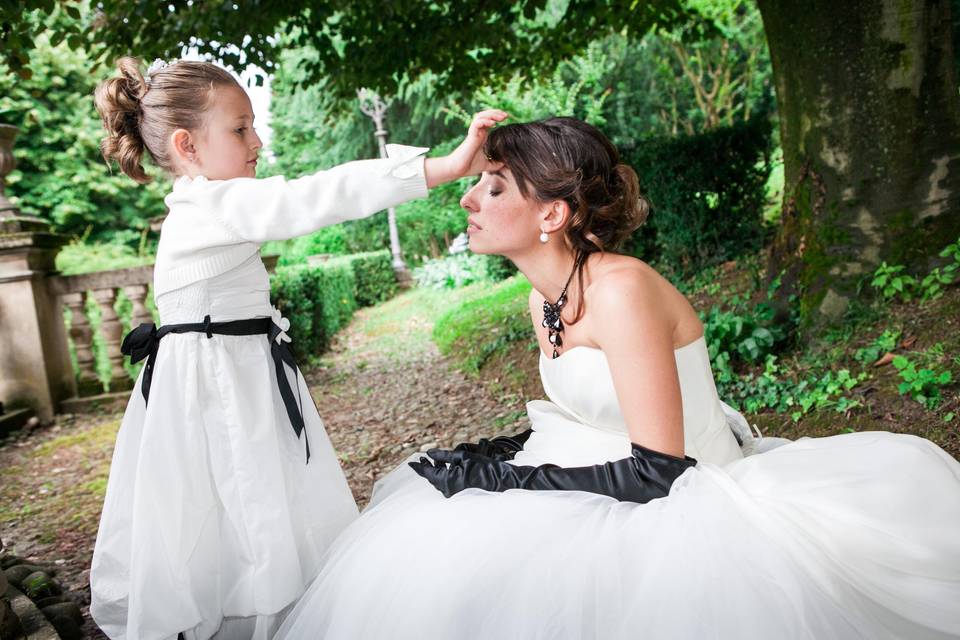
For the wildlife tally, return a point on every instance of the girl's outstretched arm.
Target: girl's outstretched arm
(259, 210)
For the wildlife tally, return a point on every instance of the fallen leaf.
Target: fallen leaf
(887, 358)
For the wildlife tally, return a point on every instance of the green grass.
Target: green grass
(402, 326)
(476, 329)
(60, 501)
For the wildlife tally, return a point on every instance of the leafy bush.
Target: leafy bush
(892, 283)
(884, 343)
(707, 195)
(374, 279)
(923, 384)
(318, 301)
(775, 389)
(458, 271)
(479, 328)
(748, 334)
(60, 175)
(81, 257)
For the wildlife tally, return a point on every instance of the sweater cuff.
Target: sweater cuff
(407, 164)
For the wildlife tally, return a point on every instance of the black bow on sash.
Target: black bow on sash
(144, 342)
(281, 353)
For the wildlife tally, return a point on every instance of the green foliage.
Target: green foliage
(379, 45)
(576, 88)
(314, 130)
(22, 22)
(374, 279)
(923, 384)
(931, 287)
(318, 301)
(749, 337)
(60, 174)
(81, 257)
(461, 269)
(675, 81)
(477, 329)
(892, 283)
(707, 193)
(884, 343)
(774, 389)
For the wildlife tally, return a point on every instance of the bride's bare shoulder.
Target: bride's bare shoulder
(622, 284)
(613, 274)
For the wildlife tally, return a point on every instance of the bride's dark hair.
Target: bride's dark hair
(570, 160)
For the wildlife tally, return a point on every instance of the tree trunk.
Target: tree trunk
(870, 128)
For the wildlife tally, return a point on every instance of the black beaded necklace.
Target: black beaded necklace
(552, 321)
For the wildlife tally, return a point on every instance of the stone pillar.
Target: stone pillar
(88, 384)
(112, 333)
(35, 368)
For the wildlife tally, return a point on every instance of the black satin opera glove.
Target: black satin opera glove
(644, 476)
(500, 448)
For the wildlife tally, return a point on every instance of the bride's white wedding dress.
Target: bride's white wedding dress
(851, 536)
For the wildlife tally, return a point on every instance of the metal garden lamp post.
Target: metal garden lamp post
(372, 105)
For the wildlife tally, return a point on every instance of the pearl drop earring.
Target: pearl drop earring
(544, 237)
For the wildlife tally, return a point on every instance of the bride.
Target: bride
(630, 508)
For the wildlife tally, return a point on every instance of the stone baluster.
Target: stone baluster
(138, 296)
(112, 332)
(81, 332)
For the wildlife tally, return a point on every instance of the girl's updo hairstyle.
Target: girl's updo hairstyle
(570, 160)
(139, 114)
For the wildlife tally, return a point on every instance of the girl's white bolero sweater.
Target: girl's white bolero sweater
(215, 225)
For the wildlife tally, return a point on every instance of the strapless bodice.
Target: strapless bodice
(582, 423)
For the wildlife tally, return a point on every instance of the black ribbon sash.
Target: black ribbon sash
(144, 342)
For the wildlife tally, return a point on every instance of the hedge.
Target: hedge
(320, 300)
(373, 273)
(707, 193)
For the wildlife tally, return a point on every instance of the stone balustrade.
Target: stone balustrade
(103, 288)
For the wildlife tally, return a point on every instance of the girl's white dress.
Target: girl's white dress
(213, 521)
(851, 536)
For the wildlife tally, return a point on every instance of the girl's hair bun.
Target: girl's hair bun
(118, 102)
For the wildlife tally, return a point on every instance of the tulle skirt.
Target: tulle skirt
(212, 518)
(852, 536)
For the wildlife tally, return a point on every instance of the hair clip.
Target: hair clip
(157, 65)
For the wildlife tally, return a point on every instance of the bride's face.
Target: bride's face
(500, 219)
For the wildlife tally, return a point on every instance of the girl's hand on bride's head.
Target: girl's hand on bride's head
(468, 158)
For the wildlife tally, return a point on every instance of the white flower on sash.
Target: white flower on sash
(284, 325)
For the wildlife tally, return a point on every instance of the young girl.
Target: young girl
(224, 490)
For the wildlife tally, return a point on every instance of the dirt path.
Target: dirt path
(383, 391)
(379, 407)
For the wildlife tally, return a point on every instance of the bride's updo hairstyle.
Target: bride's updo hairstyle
(570, 160)
(139, 114)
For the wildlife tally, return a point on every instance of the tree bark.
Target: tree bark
(870, 129)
